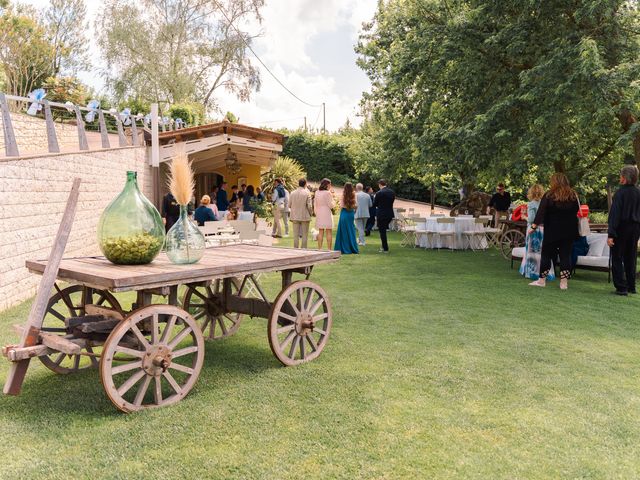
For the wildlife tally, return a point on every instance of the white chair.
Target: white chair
(439, 232)
(475, 238)
(242, 226)
(245, 216)
(408, 230)
(436, 215)
(250, 237)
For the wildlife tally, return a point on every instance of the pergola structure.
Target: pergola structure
(220, 151)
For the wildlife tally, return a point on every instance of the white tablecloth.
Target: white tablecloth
(457, 241)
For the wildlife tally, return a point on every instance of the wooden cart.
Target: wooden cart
(151, 356)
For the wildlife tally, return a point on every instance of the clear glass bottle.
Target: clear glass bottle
(185, 242)
(130, 230)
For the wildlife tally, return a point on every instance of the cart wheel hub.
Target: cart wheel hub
(304, 323)
(157, 360)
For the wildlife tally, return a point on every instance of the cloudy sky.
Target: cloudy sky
(308, 45)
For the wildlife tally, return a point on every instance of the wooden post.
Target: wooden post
(433, 197)
(82, 134)
(103, 130)
(155, 142)
(52, 140)
(134, 132)
(122, 140)
(10, 144)
(33, 325)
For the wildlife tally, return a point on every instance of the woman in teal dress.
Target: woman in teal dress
(346, 234)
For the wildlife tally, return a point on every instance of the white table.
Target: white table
(456, 242)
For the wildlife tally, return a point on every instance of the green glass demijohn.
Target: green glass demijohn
(130, 230)
(185, 242)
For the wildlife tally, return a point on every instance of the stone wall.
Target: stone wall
(33, 194)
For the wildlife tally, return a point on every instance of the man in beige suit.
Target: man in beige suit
(301, 211)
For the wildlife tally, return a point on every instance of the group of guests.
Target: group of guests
(553, 231)
(217, 206)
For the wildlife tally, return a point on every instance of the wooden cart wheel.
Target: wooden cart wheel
(205, 304)
(509, 240)
(299, 323)
(70, 302)
(152, 358)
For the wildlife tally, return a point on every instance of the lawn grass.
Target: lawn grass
(440, 365)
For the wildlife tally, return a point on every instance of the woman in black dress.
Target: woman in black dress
(558, 212)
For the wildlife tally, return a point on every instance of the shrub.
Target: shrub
(191, 113)
(286, 168)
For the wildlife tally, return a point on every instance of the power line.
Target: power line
(259, 59)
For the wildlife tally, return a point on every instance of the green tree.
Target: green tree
(503, 89)
(26, 56)
(65, 22)
(177, 51)
(65, 89)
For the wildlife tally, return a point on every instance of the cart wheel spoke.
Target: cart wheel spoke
(144, 386)
(172, 382)
(76, 362)
(141, 338)
(168, 329)
(181, 368)
(287, 340)
(286, 316)
(185, 351)
(157, 391)
(56, 314)
(286, 328)
(126, 367)
(130, 351)
(94, 360)
(294, 346)
(156, 361)
(179, 337)
(130, 382)
(60, 358)
(312, 342)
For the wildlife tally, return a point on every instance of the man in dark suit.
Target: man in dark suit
(384, 205)
(624, 231)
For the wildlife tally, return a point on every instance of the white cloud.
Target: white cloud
(290, 30)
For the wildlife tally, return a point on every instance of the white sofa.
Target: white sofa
(596, 259)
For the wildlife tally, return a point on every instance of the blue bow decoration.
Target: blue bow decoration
(147, 120)
(166, 121)
(179, 122)
(35, 96)
(93, 106)
(125, 116)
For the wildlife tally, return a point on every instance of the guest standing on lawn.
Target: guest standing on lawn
(170, 211)
(364, 203)
(530, 266)
(500, 202)
(248, 199)
(371, 222)
(346, 234)
(624, 231)
(558, 213)
(203, 213)
(222, 201)
(301, 212)
(278, 198)
(384, 207)
(323, 206)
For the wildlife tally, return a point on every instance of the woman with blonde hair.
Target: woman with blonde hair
(558, 213)
(346, 233)
(203, 213)
(530, 266)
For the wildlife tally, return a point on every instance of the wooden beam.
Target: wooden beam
(33, 324)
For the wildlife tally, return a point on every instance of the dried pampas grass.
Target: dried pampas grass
(181, 183)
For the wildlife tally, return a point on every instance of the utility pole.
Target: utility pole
(324, 118)
(305, 124)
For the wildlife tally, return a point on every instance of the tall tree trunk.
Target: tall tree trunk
(627, 119)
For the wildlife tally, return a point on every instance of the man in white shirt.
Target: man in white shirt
(364, 203)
